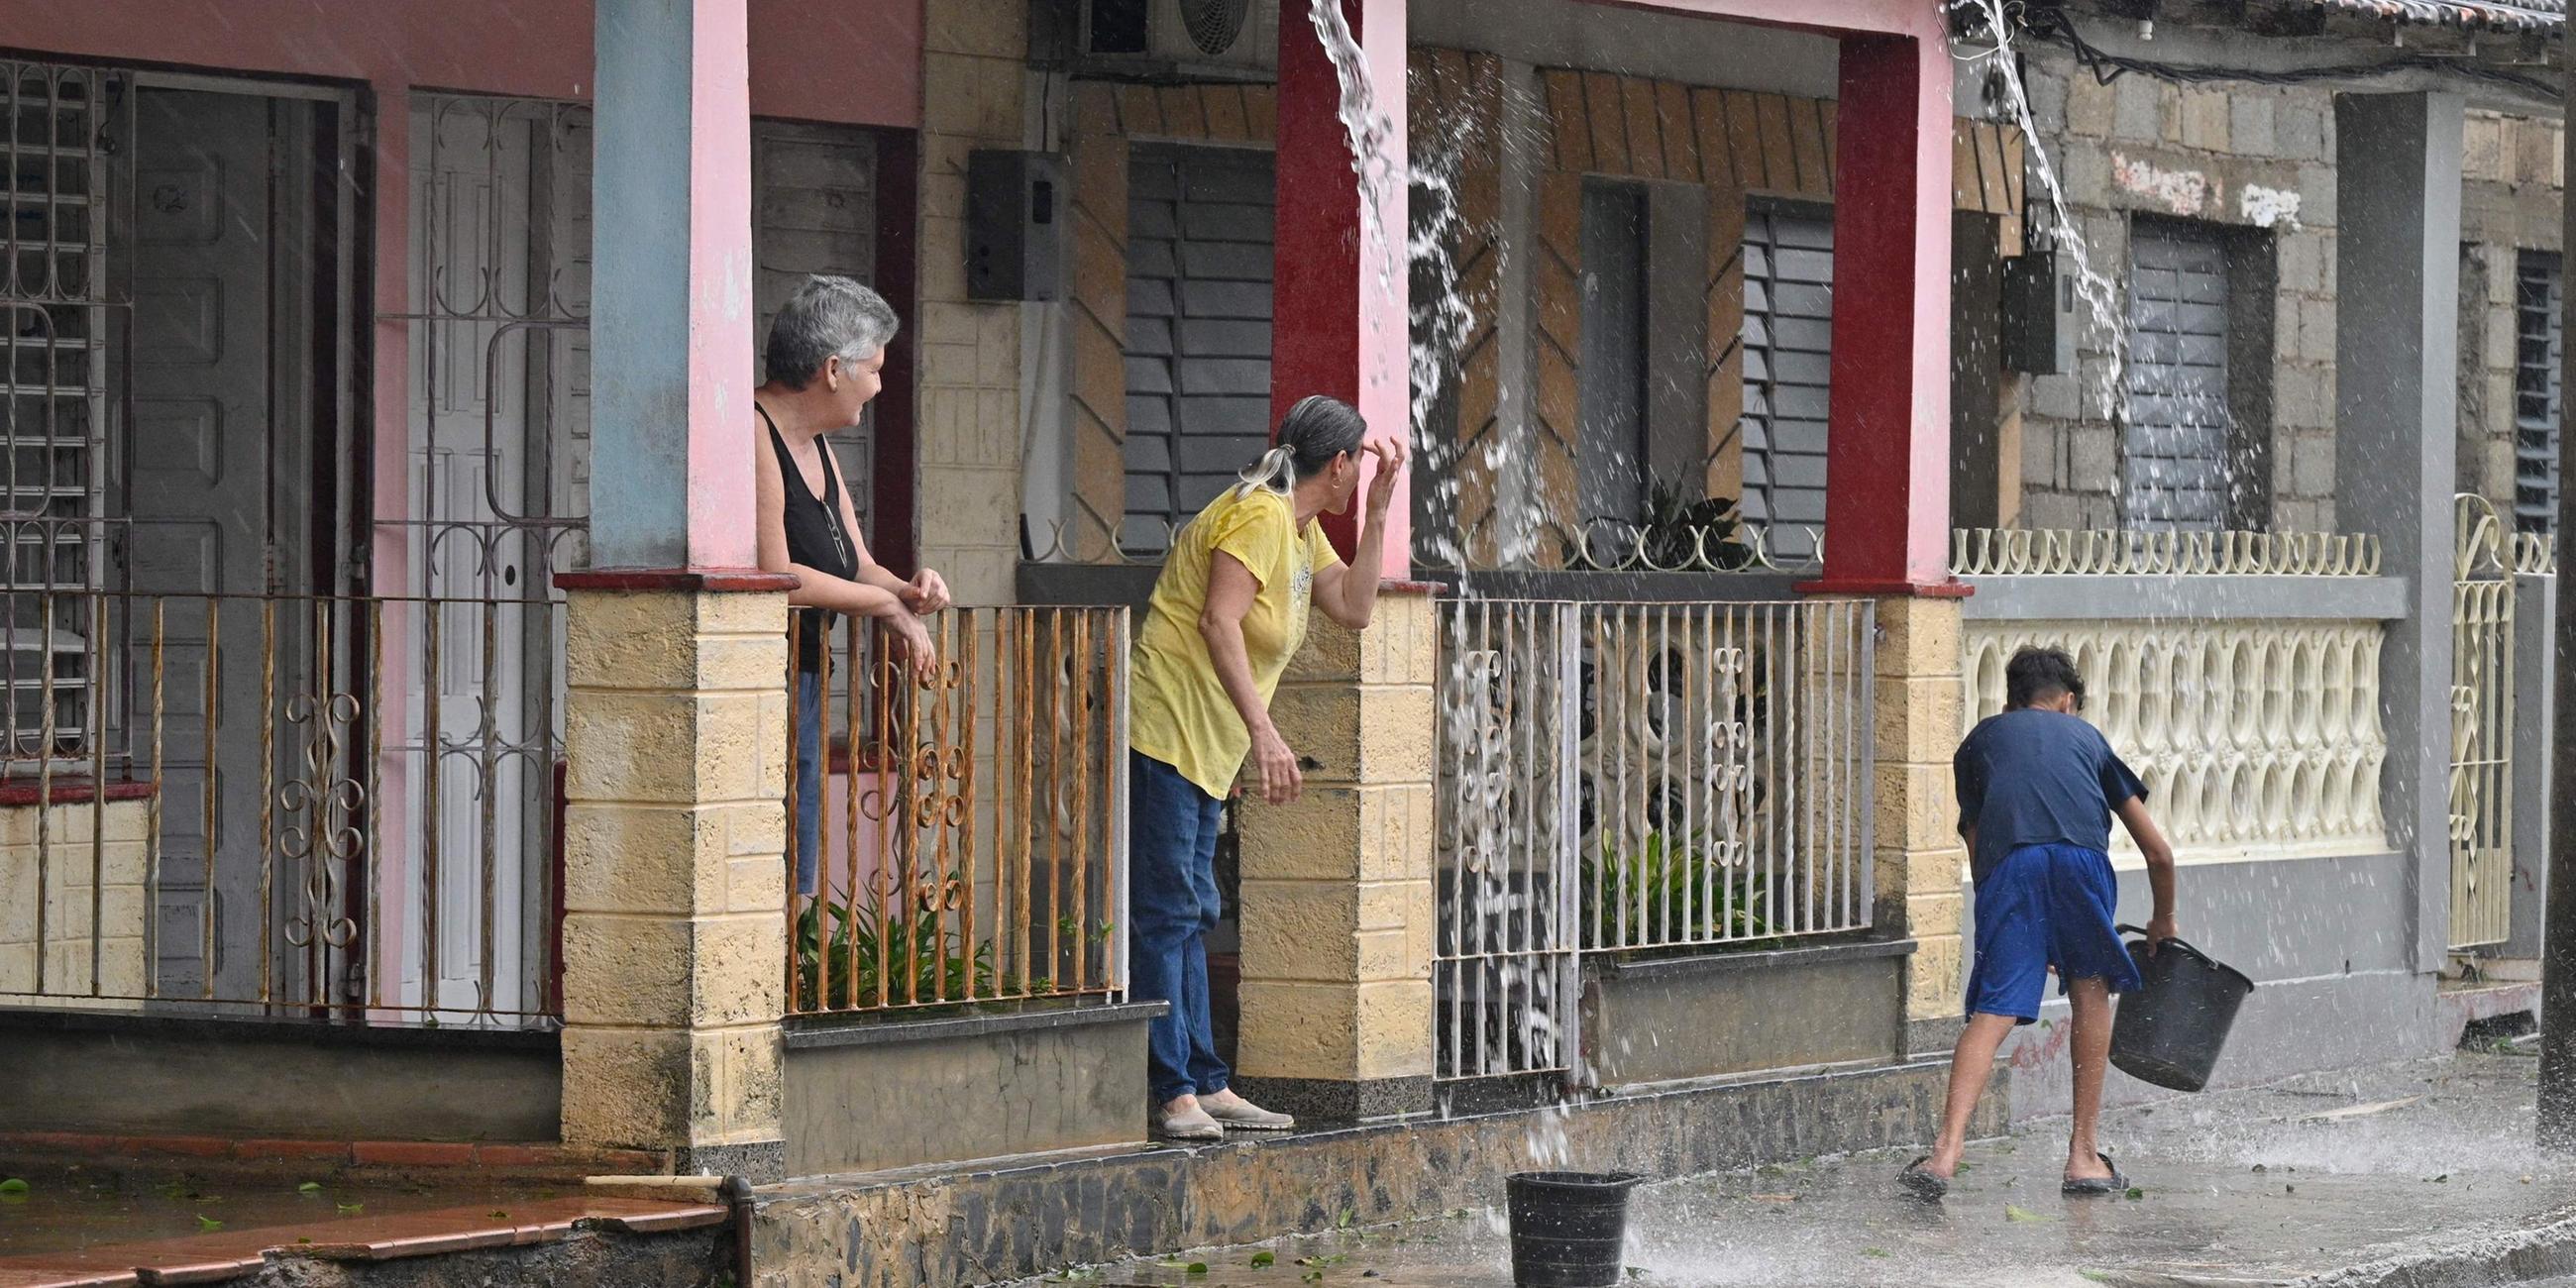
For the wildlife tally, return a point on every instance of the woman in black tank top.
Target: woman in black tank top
(824, 355)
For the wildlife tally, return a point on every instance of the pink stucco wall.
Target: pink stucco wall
(853, 61)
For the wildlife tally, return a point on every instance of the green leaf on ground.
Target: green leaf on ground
(304, 1238)
(352, 1209)
(1198, 1268)
(309, 1187)
(1879, 1253)
(2136, 1192)
(13, 1186)
(207, 1224)
(2014, 1212)
(1264, 1260)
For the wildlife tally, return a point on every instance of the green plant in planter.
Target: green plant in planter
(918, 959)
(1685, 892)
(1681, 529)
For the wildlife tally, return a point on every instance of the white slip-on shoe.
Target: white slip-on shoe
(1186, 1124)
(1238, 1114)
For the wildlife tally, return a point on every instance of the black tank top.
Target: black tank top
(815, 538)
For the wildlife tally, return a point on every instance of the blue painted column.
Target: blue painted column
(671, 293)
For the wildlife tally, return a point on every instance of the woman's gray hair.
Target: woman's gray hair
(828, 317)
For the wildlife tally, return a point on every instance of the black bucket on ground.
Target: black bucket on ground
(1569, 1229)
(2172, 1027)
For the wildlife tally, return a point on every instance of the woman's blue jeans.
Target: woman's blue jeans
(1172, 904)
(809, 778)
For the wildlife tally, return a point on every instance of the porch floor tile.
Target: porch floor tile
(219, 1255)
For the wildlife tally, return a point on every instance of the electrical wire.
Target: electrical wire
(2057, 26)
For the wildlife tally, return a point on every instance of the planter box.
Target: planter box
(1723, 1014)
(869, 1096)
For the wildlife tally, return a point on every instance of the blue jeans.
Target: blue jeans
(809, 778)
(1172, 904)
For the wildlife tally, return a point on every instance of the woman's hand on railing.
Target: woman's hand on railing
(914, 639)
(926, 593)
(1281, 780)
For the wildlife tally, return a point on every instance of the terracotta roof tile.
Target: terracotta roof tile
(2492, 15)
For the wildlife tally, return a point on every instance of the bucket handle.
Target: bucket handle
(2140, 931)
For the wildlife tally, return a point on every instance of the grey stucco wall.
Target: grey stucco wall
(2329, 943)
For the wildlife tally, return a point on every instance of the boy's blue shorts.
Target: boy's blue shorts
(2043, 906)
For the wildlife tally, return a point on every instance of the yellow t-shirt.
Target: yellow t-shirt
(1179, 713)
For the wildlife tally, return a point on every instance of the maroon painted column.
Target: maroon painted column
(1887, 498)
(1338, 899)
(1339, 322)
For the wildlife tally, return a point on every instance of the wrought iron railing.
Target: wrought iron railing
(973, 816)
(1718, 545)
(339, 807)
(1620, 778)
(2483, 569)
(2020, 552)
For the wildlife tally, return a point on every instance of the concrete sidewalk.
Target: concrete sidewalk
(2420, 1174)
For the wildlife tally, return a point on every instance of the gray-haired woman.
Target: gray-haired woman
(825, 353)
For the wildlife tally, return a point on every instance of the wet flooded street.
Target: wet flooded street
(2274, 1185)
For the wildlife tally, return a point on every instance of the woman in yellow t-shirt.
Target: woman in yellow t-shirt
(1228, 611)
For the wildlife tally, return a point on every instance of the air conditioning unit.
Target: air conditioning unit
(1178, 39)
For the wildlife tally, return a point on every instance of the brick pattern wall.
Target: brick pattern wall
(90, 867)
(2244, 156)
(1106, 118)
(1737, 144)
(969, 354)
(1456, 119)
(2514, 181)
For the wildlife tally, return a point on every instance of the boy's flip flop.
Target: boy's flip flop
(2112, 1184)
(1922, 1182)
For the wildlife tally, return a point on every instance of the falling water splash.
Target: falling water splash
(1369, 130)
(2101, 298)
(1438, 327)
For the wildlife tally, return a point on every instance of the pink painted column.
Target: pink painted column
(671, 298)
(1887, 501)
(676, 730)
(1339, 323)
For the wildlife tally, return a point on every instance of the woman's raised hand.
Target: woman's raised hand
(1390, 452)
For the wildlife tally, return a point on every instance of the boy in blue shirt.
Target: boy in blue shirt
(2037, 788)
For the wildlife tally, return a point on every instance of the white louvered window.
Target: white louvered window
(2539, 297)
(1788, 334)
(2174, 465)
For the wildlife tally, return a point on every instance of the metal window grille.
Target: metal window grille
(55, 311)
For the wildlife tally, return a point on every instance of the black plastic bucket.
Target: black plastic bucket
(2171, 1029)
(1569, 1229)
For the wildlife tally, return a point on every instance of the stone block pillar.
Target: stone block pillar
(1338, 898)
(674, 870)
(1920, 717)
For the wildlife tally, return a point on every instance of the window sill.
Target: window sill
(71, 789)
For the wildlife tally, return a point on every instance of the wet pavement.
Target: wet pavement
(69, 1207)
(2266, 1186)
